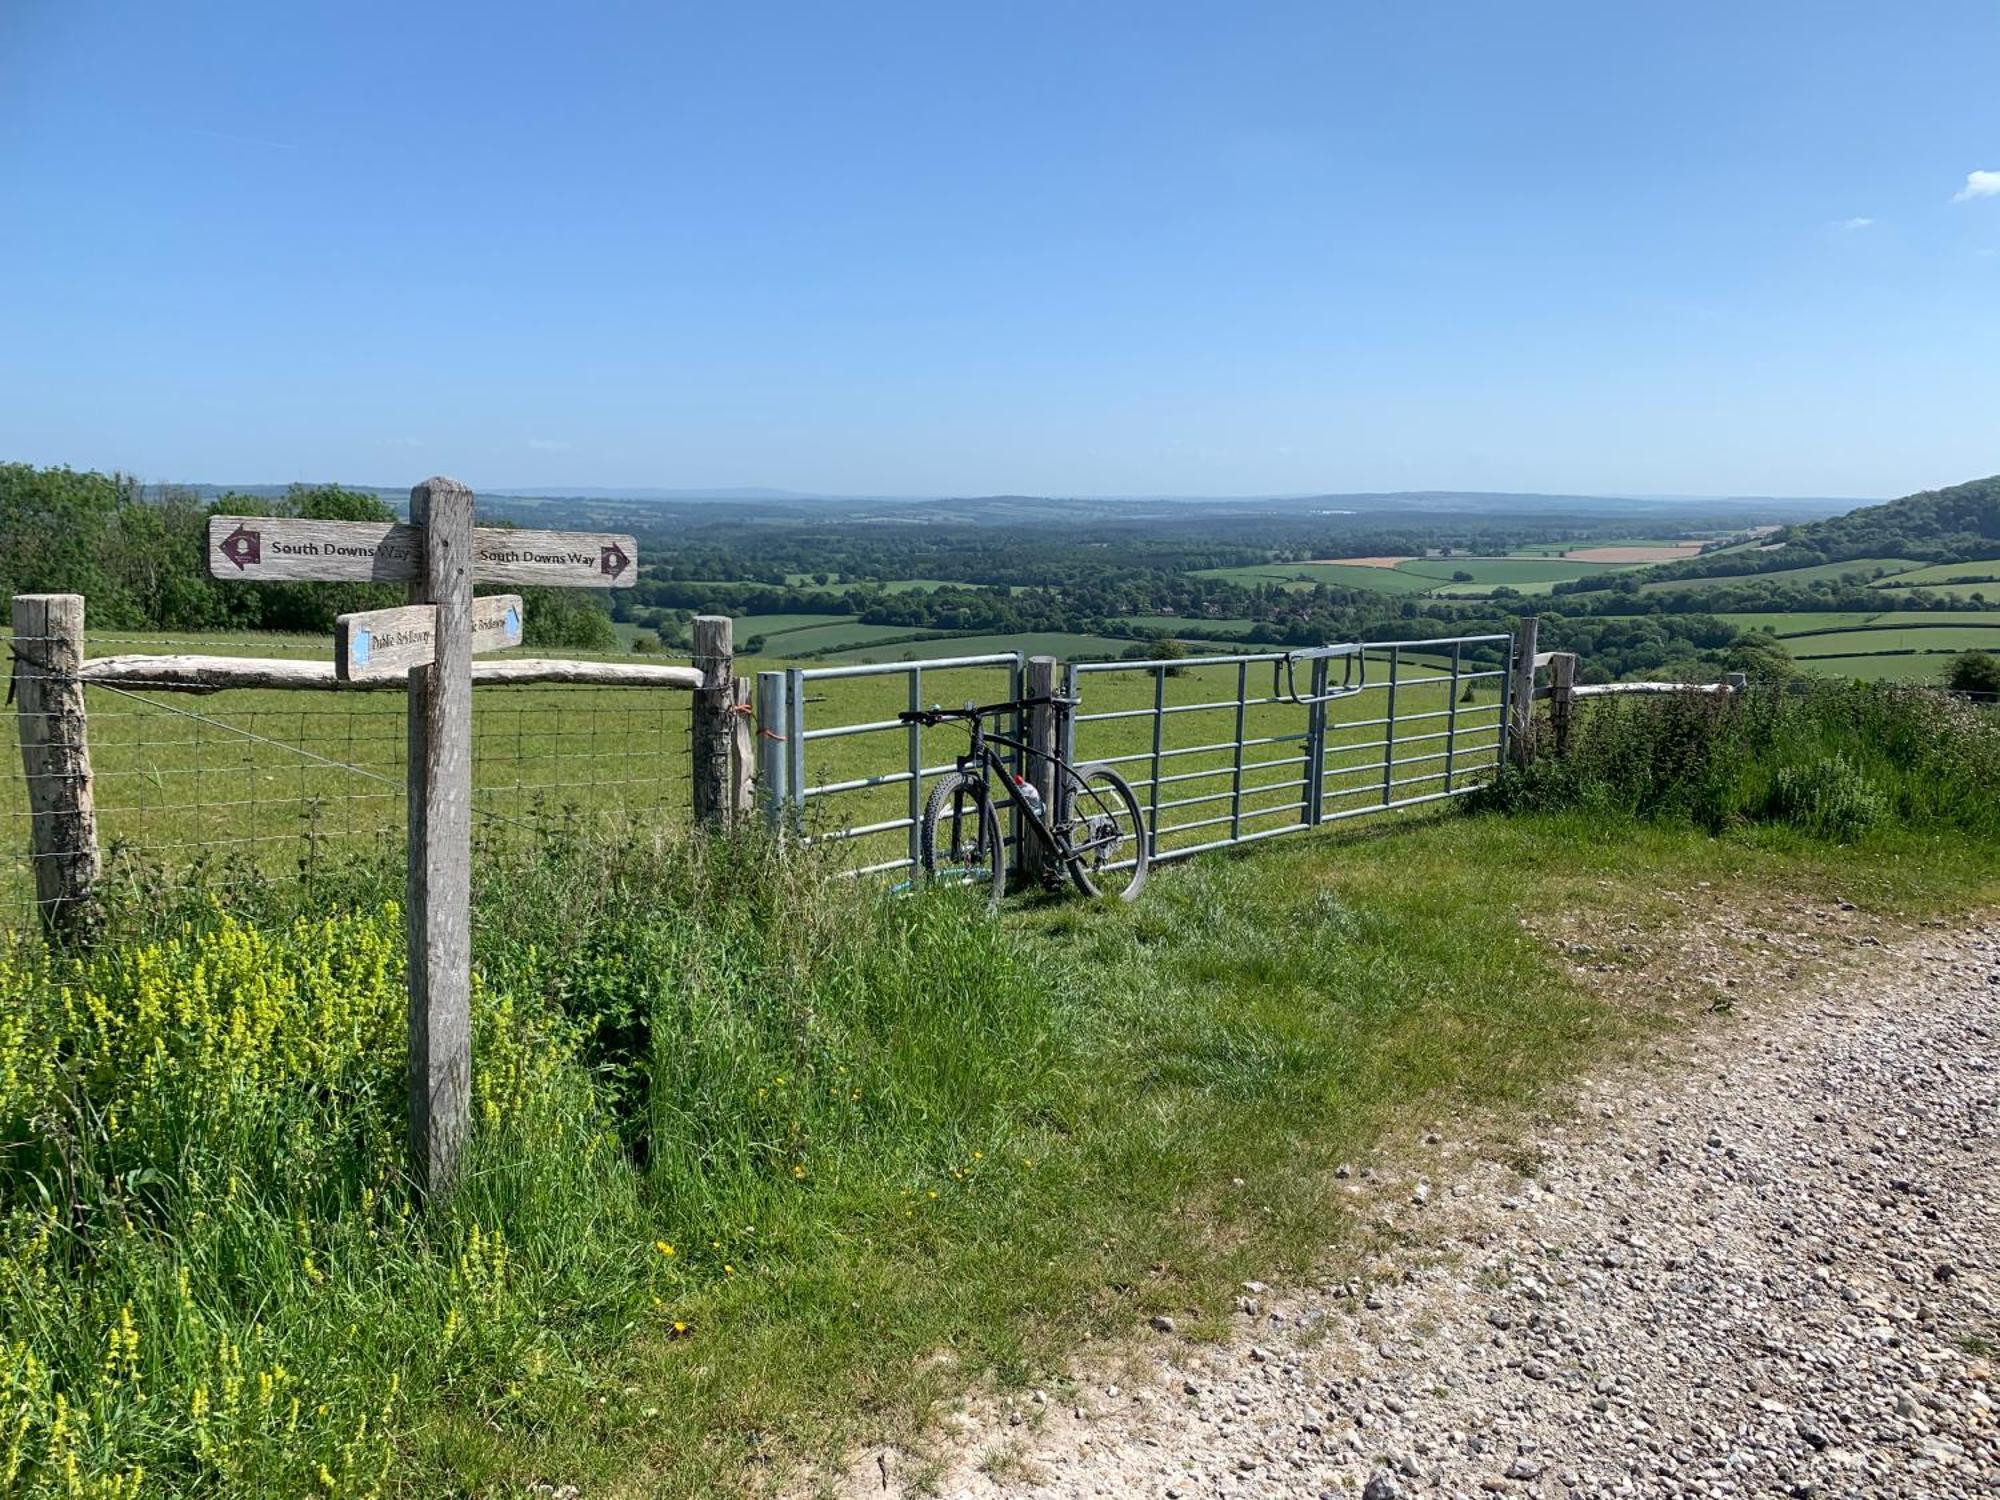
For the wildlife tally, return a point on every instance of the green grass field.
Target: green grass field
(1514, 571)
(1921, 669)
(1065, 644)
(1190, 625)
(1860, 565)
(1944, 573)
(1787, 625)
(1334, 575)
(1896, 638)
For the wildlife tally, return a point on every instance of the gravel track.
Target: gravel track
(1768, 1271)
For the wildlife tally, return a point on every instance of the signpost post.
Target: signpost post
(441, 555)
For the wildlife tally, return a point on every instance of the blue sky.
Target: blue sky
(1696, 248)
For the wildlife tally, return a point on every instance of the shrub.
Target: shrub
(1976, 672)
(1829, 798)
(1831, 759)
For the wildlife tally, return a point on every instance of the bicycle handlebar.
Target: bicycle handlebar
(933, 716)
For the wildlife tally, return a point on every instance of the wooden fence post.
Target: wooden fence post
(55, 759)
(1562, 698)
(1040, 682)
(742, 753)
(714, 656)
(1521, 700)
(440, 874)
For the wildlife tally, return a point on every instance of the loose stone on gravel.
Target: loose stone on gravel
(1771, 1268)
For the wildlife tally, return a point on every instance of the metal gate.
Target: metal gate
(1221, 751)
(1219, 748)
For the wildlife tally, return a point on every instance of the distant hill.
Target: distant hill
(1959, 524)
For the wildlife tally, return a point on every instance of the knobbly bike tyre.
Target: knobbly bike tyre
(1097, 794)
(960, 807)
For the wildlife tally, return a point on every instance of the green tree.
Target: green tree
(1761, 657)
(1974, 672)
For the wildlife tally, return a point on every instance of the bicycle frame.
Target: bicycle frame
(982, 757)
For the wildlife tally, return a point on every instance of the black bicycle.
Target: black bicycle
(1095, 831)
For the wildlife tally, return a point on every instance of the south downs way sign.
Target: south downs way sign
(270, 549)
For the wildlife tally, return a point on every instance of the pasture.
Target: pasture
(1918, 669)
(1305, 575)
(1937, 638)
(1862, 566)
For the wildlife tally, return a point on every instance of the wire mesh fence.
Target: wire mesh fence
(250, 785)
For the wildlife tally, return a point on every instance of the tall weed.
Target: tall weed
(1831, 760)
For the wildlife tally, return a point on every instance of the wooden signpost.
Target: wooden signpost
(440, 554)
(391, 642)
(277, 549)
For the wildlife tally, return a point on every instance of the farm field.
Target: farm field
(1189, 625)
(1786, 624)
(1942, 573)
(770, 626)
(1335, 575)
(1937, 638)
(1513, 571)
(831, 635)
(1918, 668)
(1861, 565)
(1064, 644)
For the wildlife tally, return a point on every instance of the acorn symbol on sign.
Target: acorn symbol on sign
(243, 547)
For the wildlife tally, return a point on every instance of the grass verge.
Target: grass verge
(765, 1166)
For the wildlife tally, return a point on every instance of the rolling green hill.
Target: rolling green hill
(1955, 525)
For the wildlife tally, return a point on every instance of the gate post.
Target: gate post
(1521, 695)
(772, 750)
(1562, 698)
(1043, 740)
(55, 759)
(714, 656)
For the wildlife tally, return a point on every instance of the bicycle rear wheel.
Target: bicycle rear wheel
(960, 838)
(1107, 834)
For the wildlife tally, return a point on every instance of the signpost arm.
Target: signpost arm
(440, 870)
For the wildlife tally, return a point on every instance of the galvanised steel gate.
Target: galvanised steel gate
(1221, 749)
(836, 767)
(1229, 749)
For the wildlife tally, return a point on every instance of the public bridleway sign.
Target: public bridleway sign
(376, 643)
(441, 554)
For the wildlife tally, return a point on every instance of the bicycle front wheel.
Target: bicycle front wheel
(960, 842)
(1108, 852)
